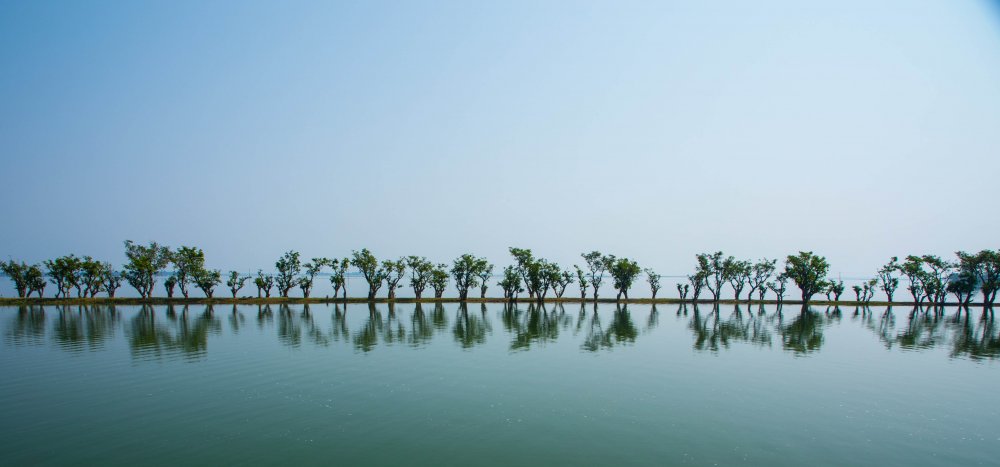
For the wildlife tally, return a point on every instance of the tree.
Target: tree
(737, 273)
(142, 265)
(541, 276)
(420, 274)
(808, 272)
(779, 286)
(511, 283)
(264, 282)
(936, 279)
(623, 272)
(712, 268)
(393, 272)
(759, 275)
(36, 280)
(186, 261)
(485, 273)
(110, 280)
(597, 264)
(206, 280)
(682, 290)
(698, 281)
(368, 265)
(439, 279)
(913, 268)
(16, 272)
(887, 277)
(560, 281)
(312, 268)
(869, 290)
(338, 278)
(169, 284)
(985, 267)
(465, 270)
(524, 259)
(91, 276)
(654, 281)
(835, 288)
(63, 272)
(581, 279)
(963, 285)
(288, 266)
(236, 282)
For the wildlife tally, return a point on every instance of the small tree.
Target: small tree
(779, 286)
(63, 272)
(91, 276)
(581, 279)
(312, 268)
(110, 280)
(420, 274)
(186, 261)
(465, 271)
(857, 292)
(264, 283)
(712, 268)
(698, 281)
(236, 282)
(169, 284)
(597, 264)
(936, 279)
(511, 283)
(835, 288)
(206, 280)
(623, 271)
(142, 265)
(985, 267)
(338, 278)
(393, 272)
(759, 275)
(36, 280)
(808, 272)
(485, 273)
(963, 285)
(17, 272)
(913, 268)
(288, 266)
(654, 281)
(887, 277)
(682, 290)
(439, 279)
(560, 282)
(368, 266)
(523, 259)
(541, 276)
(737, 273)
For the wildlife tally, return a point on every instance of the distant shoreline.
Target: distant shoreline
(6, 301)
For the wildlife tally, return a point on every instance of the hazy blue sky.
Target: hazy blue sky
(654, 130)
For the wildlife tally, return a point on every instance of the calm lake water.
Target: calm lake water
(492, 385)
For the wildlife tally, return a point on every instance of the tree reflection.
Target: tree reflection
(421, 329)
(470, 328)
(80, 327)
(976, 340)
(712, 332)
(620, 331)
(804, 334)
(28, 326)
(536, 325)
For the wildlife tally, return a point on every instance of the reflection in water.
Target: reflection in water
(166, 331)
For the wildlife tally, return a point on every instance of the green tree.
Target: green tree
(111, 280)
(236, 282)
(206, 280)
(560, 281)
(759, 275)
(511, 283)
(598, 265)
(142, 265)
(523, 260)
(312, 268)
(91, 276)
(439, 279)
(369, 268)
(485, 274)
(393, 272)
(712, 268)
(913, 268)
(779, 286)
(808, 272)
(338, 278)
(169, 284)
(654, 281)
(420, 274)
(737, 273)
(963, 285)
(581, 279)
(63, 272)
(17, 272)
(985, 267)
(264, 283)
(682, 290)
(698, 281)
(887, 277)
(936, 279)
(289, 266)
(186, 261)
(541, 275)
(623, 273)
(835, 288)
(465, 270)
(36, 280)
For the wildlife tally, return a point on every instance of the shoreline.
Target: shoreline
(6, 301)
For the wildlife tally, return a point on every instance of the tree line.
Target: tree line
(929, 279)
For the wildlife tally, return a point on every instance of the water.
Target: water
(495, 386)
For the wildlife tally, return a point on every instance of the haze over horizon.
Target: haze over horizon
(652, 130)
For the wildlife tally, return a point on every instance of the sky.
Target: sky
(653, 130)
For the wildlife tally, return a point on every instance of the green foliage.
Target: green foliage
(393, 272)
(654, 281)
(169, 284)
(439, 279)
(985, 267)
(597, 264)
(511, 283)
(264, 283)
(111, 280)
(312, 268)
(420, 274)
(698, 281)
(759, 275)
(35, 279)
(92, 274)
(206, 280)
(623, 273)
(466, 270)
(64, 272)
(338, 278)
(485, 274)
(187, 260)
(887, 278)
(835, 288)
(523, 259)
(779, 286)
(808, 272)
(682, 290)
(368, 266)
(712, 268)
(288, 266)
(560, 281)
(581, 279)
(541, 276)
(737, 273)
(963, 284)
(142, 265)
(17, 272)
(236, 282)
